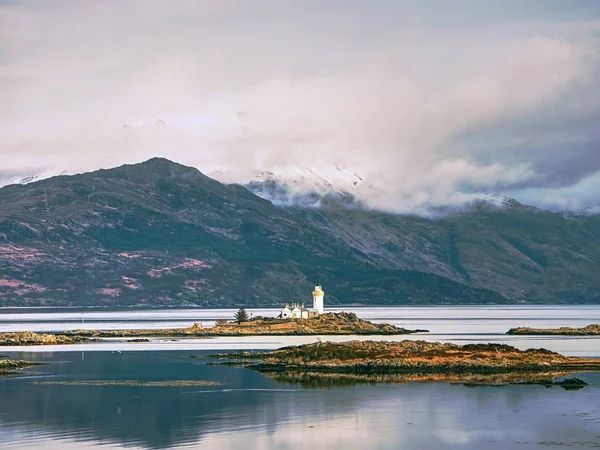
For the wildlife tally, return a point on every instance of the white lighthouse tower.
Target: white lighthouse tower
(318, 295)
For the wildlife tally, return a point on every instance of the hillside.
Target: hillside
(159, 233)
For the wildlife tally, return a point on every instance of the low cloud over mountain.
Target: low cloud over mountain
(431, 110)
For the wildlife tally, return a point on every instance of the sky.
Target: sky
(433, 103)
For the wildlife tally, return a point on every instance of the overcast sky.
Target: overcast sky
(435, 102)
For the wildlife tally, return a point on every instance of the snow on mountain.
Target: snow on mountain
(338, 179)
(26, 179)
(309, 187)
(301, 186)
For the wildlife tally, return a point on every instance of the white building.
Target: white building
(286, 312)
(295, 311)
(299, 311)
(318, 295)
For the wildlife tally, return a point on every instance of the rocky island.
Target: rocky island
(9, 367)
(590, 330)
(326, 324)
(411, 358)
(30, 338)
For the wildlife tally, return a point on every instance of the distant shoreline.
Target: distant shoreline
(331, 308)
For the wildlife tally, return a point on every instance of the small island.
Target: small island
(417, 358)
(325, 324)
(590, 330)
(9, 367)
(294, 319)
(31, 338)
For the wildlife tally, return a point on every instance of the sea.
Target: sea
(101, 394)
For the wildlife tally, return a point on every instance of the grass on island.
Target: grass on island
(31, 338)
(325, 324)
(409, 357)
(589, 330)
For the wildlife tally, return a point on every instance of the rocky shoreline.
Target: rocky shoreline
(326, 324)
(590, 330)
(409, 357)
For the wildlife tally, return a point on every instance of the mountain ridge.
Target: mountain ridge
(161, 233)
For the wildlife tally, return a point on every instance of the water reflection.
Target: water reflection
(329, 380)
(253, 411)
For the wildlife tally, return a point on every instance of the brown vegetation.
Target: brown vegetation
(418, 357)
(590, 330)
(30, 338)
(326, 324)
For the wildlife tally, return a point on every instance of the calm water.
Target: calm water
(252, 411)
(456, 324)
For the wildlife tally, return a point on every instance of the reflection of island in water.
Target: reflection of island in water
(328, 380)
(159, 415)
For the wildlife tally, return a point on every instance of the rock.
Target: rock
(568, 384)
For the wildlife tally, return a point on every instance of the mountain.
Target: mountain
(159, 233)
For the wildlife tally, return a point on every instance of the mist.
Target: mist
(430, 110)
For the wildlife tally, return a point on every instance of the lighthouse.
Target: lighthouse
(318, 295)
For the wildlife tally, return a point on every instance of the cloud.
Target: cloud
(429, 113)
